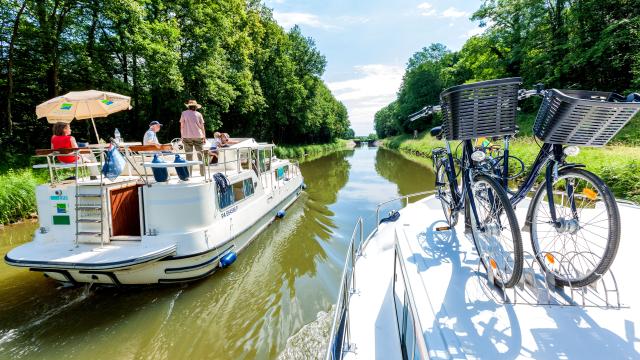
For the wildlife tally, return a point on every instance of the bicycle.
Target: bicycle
(494, 225)
(573, 218)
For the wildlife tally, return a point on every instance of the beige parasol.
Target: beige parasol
(81, 105)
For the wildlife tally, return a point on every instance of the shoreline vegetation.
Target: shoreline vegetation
(311, 151)
(618, 165)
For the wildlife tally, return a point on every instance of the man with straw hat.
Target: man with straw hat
(192, 132)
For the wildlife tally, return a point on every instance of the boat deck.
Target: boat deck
(462, 316)
(66, 255)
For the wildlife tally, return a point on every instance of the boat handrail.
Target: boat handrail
(348, 281)
(380, 205)
(136, 165)
(347, 288)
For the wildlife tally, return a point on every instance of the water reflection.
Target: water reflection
(277, 285)
(409, 176)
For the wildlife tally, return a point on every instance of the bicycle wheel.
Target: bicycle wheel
(583, 244)
(497, 236)
(443, 192)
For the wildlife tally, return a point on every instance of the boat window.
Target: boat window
(248, 187)
(265, 160)
(280, 173)
(238, 191)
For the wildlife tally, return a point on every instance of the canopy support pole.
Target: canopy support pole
(95, 130)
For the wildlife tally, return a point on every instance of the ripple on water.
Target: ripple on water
(311, 341)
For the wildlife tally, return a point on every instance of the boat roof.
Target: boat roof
(460, 315)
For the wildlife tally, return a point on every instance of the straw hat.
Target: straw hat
(193, 103)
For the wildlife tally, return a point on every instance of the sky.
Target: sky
(367, 43)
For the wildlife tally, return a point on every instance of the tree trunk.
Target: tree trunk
(134, 75)
(14, 35)
(91, 41)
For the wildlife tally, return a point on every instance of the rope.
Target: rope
(224, 190)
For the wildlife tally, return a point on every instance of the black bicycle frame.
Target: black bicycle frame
(552, 157)
(458, 197)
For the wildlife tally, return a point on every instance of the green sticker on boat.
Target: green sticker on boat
(61, 220)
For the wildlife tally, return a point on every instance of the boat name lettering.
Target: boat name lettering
(230, 211)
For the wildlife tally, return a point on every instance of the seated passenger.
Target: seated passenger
(213, 150)
(150, 137)
(226, 140)
(62, 139)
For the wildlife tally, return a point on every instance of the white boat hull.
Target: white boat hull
(168, 268)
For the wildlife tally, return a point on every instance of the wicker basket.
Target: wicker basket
(576, 117)
(486, 108)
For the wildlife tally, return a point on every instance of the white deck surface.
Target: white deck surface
(65, 255)
(460, 319)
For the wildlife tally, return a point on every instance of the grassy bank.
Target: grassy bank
(617, 165)
(303, 152)
(17, 195)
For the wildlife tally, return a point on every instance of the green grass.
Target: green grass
(617, 165)
(17, 195)
(305, 152)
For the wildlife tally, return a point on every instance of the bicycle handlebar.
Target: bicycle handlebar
(424, 112)
(538, 91)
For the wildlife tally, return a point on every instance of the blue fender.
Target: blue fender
(228, 259)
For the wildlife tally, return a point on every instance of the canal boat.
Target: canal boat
(415, 289)
(154, 223)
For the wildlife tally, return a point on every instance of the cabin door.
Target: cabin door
(125, 211)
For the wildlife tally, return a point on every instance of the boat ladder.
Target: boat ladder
(89, 213)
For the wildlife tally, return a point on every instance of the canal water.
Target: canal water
(274, 302)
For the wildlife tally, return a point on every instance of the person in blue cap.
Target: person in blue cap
(150, 137)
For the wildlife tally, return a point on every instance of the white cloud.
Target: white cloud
(476, 31)
(426, 9)
(288, 19)
(373, 87)
(454, 13)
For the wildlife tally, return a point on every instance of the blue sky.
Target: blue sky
(367, 43)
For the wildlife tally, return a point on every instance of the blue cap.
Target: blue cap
(154, 123)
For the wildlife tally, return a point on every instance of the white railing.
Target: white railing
(340, 331)
(339, 342)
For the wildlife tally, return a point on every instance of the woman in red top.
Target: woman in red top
(62, 139)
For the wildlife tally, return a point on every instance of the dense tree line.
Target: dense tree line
(252, 77)
(578, 44)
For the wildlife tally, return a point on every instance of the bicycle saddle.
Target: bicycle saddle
(436, 132)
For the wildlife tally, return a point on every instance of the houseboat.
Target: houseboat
(152, 223)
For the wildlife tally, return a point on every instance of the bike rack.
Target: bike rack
(538, 287)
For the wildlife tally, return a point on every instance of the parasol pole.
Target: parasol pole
(95, 130)
(94, 125)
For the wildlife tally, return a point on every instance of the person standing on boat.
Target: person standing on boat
(192, 132)
(150, 137)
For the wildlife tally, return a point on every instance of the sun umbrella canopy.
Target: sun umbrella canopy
(82, 105)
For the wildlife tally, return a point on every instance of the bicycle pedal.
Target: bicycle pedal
(443, 228)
